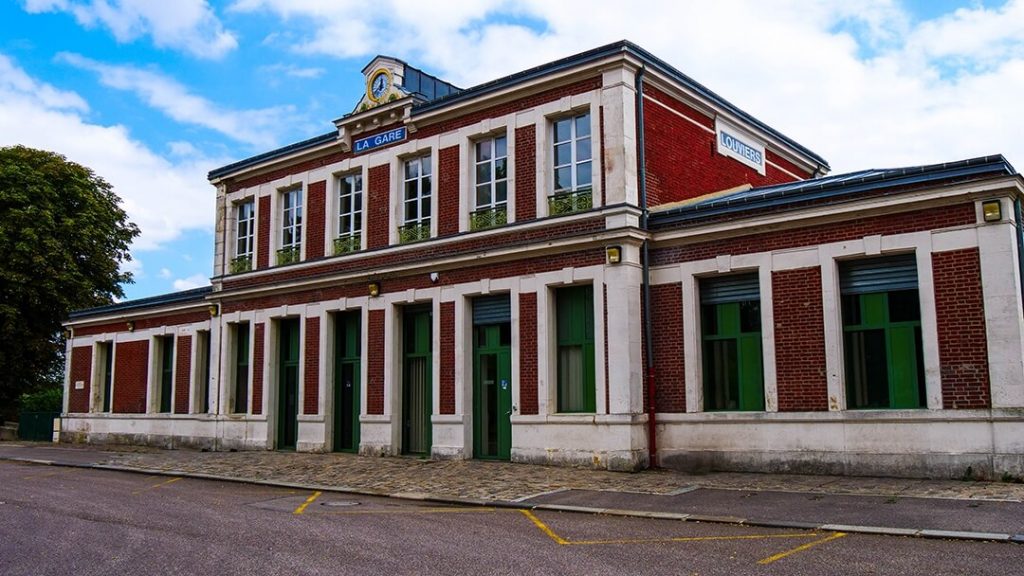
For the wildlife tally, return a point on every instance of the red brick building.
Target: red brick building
(597, 261)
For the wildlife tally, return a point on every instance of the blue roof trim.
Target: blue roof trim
(284, 150)
(828, 187)
(627, 47)
(196, 294)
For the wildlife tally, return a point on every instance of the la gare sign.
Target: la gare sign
(378, 140)
(738, 145)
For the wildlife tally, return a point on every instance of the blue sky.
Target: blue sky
(152, 95)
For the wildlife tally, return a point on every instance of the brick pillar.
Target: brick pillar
(799, 340)
(131, 374)
(448, 209)
(263, 233)
(447, 376)
(667, 320)
(316, 226)
(257, 367)
(311, 396)
(526, 173)
(182, 374)
(963, 346)
(528, 353)
(377, 206)
(375, 362)
(81, 371)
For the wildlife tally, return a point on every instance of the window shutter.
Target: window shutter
(878, 274)
(732, 288)
(492, 310)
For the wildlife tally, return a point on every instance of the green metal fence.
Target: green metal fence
(36, 425)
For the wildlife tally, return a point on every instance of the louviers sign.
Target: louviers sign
(736, 144)
(378, 140)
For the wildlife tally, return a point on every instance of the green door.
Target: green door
(416, 381)
(346, 382)
(166, 372)
(288, 385)
(492, 391)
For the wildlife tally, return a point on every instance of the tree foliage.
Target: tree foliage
(63, 237)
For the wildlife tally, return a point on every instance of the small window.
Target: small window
(166, 372)
(882, 333)
(240, 405)
(416, 199)
(245, 233)
(291, 226)
(491, 183)
(730, 316)
(350, 214)
(575, 338)
(573, 165)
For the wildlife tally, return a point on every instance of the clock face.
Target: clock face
(379, 85)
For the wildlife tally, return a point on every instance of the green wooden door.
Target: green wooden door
(288, 385)
(416, 381)
(107, 350)
(492, 392)
(575, 331)
(346, 382)
(733, 369)
(166, 372)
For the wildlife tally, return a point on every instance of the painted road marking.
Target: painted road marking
(50, 474)
(564, 542)
(802, 548)
(302, 507)
(413, 511)
(159, 485)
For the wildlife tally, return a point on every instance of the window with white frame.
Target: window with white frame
(573, 165)
(291, 226)
(245, 234)
(350, 213)
(416, 198)
(490, 159)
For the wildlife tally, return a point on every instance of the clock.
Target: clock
(377, 87)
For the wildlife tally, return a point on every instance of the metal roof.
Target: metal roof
(622, 46)
(839, 185)
(196, 294)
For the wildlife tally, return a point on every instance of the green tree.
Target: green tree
(63, 237)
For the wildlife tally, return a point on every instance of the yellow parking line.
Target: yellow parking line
(544, 527)
(809, 545)
(302, 507)
(413, 511)
(154, 486)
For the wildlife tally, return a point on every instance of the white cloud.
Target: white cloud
(187, 25)
(194, 281)
(293, 71)
(165, 273)
(163, 197)
(256, 127)
(862, 82)
(134, 267)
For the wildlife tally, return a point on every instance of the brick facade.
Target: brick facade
(447, 340)
(182, 374)
(316, 224)
(258, 331)
(81, 371)
(131, 377)
(375, 362)
(963, 346)
(311, 361)
(528, 353)
(448, 207)
(377, 210)
(263, 219)
(667, 317)
(525, 167)
(799, 340)
(145, 323)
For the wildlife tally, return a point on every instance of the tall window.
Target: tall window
(416, 196)
(491, 177)
(575, 320)
(730, 319)
(240, 404)
(573, 165)
(350, 213)
(245, 233)
(291, 226)
(882, 333)
(166, 372)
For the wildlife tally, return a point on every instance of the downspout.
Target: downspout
(641, 161)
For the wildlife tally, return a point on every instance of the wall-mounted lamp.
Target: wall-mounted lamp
(434, 277)
(69, 333)
(131, 325)
(214, 310)
(614, 254)
(374, 289)
(992, 210)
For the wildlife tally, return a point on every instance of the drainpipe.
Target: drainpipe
(652, 444)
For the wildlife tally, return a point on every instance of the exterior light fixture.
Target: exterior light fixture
(374, 289)
(131, 326)
(69, 333)
(992, 210)
(214, 310)
(614, 254)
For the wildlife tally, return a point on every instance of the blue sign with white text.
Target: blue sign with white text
(378, 140)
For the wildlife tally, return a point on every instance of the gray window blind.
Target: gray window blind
(492, 310)
(884, 274)
(732, 288)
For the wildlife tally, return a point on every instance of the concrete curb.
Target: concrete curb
(516, 505)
